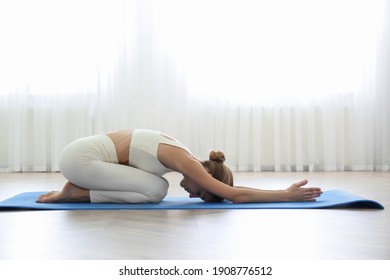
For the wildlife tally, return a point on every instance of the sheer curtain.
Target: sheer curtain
(277, 85)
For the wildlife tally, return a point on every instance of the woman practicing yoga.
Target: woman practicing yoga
(127, 167)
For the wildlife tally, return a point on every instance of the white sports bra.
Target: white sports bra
(143, 150)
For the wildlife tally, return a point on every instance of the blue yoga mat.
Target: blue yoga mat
(333, 198)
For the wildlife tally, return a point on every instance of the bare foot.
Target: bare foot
(70, 193)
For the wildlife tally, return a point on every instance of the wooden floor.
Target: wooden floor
(202, 234)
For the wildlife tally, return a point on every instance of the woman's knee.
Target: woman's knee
(159, 190)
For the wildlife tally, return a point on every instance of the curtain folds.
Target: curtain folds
(277, 85)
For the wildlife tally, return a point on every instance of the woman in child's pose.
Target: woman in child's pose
(127, 166)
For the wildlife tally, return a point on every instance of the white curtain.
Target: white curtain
(278, 85)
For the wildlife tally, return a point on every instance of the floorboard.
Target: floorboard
(272, 234)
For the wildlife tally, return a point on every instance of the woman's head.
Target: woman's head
(216, 167)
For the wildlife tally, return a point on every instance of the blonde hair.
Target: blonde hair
(216, 167)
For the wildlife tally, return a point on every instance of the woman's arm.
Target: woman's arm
(191, 168)
(294, 193)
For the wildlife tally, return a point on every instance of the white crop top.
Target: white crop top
(143, 150)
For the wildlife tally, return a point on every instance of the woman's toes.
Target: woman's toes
(48, 197)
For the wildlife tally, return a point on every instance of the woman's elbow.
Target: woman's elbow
(237, 199)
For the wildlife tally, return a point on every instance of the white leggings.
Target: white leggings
(92, 163)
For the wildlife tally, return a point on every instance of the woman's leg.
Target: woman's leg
(140, 187)
(109, 182)
(125, 184)
(91, 166)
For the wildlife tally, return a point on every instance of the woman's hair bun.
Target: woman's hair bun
(217, 156)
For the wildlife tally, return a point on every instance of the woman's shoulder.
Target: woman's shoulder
(174, 157)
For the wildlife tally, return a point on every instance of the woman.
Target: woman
(127, 167)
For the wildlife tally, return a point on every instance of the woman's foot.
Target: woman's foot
(70, 193)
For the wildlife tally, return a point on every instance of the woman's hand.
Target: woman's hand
(297, 193)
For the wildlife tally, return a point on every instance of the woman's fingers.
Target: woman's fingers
(301, 183)
(312, 194)
(297, 185)
(303, 194)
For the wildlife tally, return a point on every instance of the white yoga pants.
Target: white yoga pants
(92, 163)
